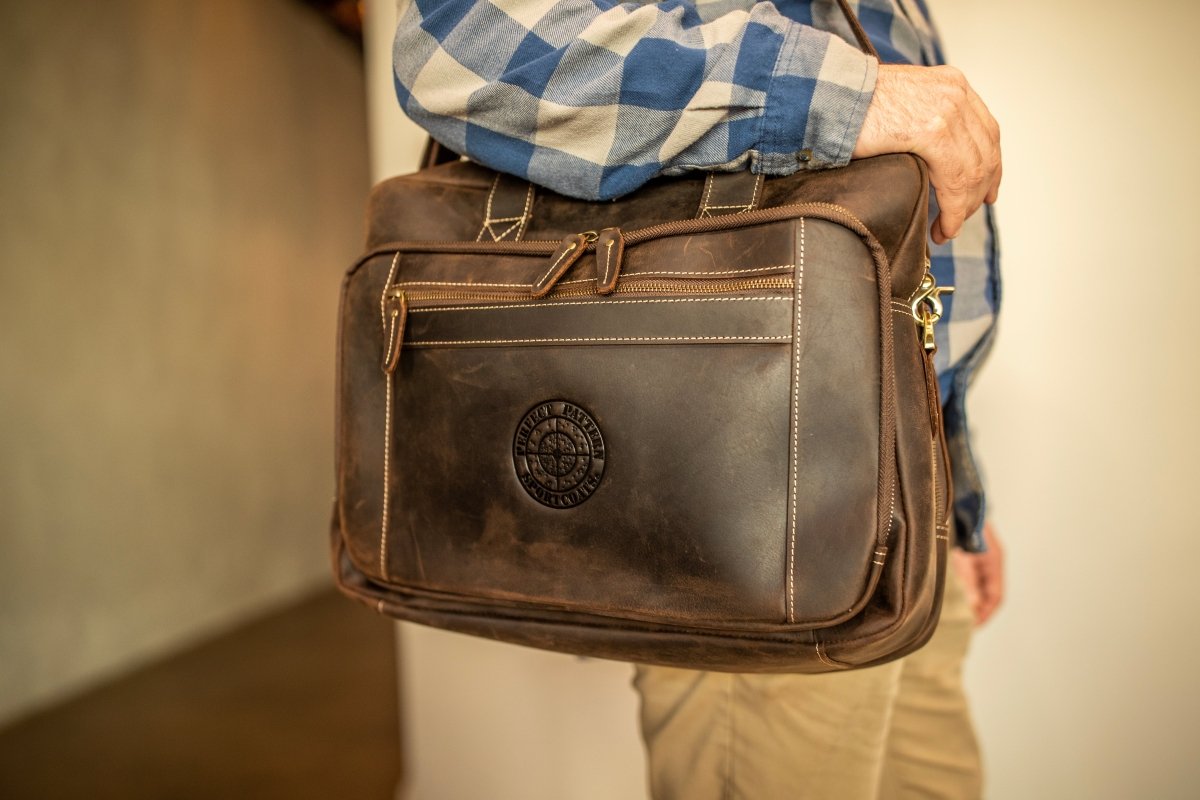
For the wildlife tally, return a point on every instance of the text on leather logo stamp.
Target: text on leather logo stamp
(559, 454)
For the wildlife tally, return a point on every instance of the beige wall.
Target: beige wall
(181, 190)
(1087, 414)
(1085, 685)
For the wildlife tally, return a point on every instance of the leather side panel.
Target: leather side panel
(837, 411)
(910, 590)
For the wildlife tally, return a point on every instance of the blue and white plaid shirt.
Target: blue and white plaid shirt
(592, 99)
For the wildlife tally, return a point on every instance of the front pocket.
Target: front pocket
(678, 525)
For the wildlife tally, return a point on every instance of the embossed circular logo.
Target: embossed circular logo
(559, 454)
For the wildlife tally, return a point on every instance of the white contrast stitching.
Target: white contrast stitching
(517, 222)
(507, 306)
(465, 283)
(607, 261)
(487, 214)
(776, 268)
(387, 459)
(387, 420)
(937, 493)
(742, 208)
(821, 656)
(391, 337)
(791, 568)
(605, 339)
(574, 246)
(914, 294)
(507, 230)
(525, 213)
(653, 274)
(708, 184)
(383, 320)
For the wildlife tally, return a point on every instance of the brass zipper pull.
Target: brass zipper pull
(568, 252)
(610, 247)
(396, 310)
(927, 307)
(927, 310)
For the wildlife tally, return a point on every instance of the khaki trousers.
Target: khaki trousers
(901, 730)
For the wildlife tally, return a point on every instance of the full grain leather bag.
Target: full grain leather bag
(696, 427)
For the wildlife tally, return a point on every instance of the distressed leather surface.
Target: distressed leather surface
(772, 484)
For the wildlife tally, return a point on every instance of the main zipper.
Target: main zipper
(829, 211)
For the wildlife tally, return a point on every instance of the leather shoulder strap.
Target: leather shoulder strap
(864, 42)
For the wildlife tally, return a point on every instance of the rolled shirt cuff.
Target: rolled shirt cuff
(816, 103)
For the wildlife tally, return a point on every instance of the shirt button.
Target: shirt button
(804, 156)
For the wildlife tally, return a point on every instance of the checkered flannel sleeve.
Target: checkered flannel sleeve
(592, 99)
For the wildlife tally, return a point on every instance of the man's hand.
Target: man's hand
(934, 113)
(982, 575)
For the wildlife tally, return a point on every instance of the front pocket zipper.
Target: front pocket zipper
(630, 284)
(398, 301)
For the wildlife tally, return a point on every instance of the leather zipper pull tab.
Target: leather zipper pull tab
(610, 247)
(568, 252)
(396, 310)
(932, 394)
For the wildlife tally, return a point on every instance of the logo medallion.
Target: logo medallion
(559, 454)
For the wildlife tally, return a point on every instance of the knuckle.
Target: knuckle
(952, 73)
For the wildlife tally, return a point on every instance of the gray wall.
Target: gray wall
(180, 191)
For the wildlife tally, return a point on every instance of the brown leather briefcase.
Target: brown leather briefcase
(696, 427)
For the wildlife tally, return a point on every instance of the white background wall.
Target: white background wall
(1087, 414)
(181, 189)
(1086, 418)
